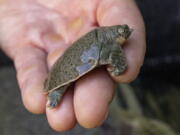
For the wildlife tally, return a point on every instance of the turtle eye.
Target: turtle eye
(121, 30)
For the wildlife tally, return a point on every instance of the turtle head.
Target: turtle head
(118, 33)
(122, 33)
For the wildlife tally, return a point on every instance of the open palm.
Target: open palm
(34, 33)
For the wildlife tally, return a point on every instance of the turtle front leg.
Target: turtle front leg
(56, 96)
(117, 60)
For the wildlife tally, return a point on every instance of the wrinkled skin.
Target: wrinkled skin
(34, 33)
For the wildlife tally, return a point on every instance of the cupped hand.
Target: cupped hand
(34, 33)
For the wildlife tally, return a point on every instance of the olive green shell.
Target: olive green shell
(84, 55)
(77, 60)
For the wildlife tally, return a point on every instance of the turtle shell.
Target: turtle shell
(76, 61)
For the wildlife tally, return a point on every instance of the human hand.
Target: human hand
(35, 33)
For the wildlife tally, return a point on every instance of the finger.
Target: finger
(93, 94)
(31, 73)
(62, 118)
(126, 12)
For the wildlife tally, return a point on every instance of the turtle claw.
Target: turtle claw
(54, 99)
(56, 96)
(53, 104)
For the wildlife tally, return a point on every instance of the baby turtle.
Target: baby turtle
(101, 46)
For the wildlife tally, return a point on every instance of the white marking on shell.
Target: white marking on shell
(84, 68)
(90, 54)
(86, 57)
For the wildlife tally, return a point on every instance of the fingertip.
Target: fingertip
(88, 119)
(62, 118)
(34, 100)
(60, 124)
(93, 94)
(128, 76)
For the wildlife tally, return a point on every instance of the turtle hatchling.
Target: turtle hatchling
(101, 46)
